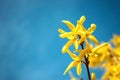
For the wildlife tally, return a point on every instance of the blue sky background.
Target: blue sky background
(30, 48)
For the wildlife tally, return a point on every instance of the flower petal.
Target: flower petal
(76, 44)
(93, 76)
(99, 47)
(116, 39)
(78, 69)
(81, 55)
(64, 35)
(66, 46)
(91, 29)
(72, 55)
(61, 31)
(88, 48)
(72, 64)
(69, 24)
(93, 38)
(82, 19)
(80, 24)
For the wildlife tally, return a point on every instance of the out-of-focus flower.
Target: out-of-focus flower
(112, 61)
(116, 40)
(112, 72)
(93, 76)
(98, 54)
(71, 76)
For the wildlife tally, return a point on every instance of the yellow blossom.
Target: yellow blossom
(76, 62)
(98, 54)
(78, 34)
(93, 76)
(116, 40)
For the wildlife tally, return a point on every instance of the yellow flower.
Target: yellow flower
(93, 76)
(117, 51)
(112, 72)
(72, 35)
(98, 54)
(84, 34)
(116, 40)
(76, 62)
(78, 34)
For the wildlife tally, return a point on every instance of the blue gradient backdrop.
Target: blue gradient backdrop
(30, 48)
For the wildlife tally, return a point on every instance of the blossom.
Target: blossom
(98, 54)
(116, 40)
(76, 62)
(78, 34)
(93, 76)
(112, 73)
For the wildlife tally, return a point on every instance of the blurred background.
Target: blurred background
(30, 48)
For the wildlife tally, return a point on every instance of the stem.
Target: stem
(87, 63)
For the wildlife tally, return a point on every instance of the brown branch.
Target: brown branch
(87, 63)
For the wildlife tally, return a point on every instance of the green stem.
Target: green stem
(87, 63)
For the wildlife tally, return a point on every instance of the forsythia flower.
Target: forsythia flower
(78, 34)
(112, 73)
(76, 62)
(112, 64)
(102, 55)
(98, 54)
(116, 40)
(93, 76)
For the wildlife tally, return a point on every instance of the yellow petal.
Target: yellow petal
(72, 64)
(78, 69)
(64, 35)
(66, 46)
(87, 44)
(72, 55)
(81, 55)
(80, 24)
(69, 24)
(61, 31)
(88, 48)
(116, 39)
(93, 38)
(91, 29)
(93, 76)
(100, 47)
(76, 44)
(82, 19)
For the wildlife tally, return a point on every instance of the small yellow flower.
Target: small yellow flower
(76, 62)
(93, 76)
(116, 40)
(78, 34)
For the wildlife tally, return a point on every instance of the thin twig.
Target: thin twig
(87, 63)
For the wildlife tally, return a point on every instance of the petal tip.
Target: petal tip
(93, 25)
(64, 49)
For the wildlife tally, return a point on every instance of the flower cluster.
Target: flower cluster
(103, 55)
(112, 60)
(107, 55)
